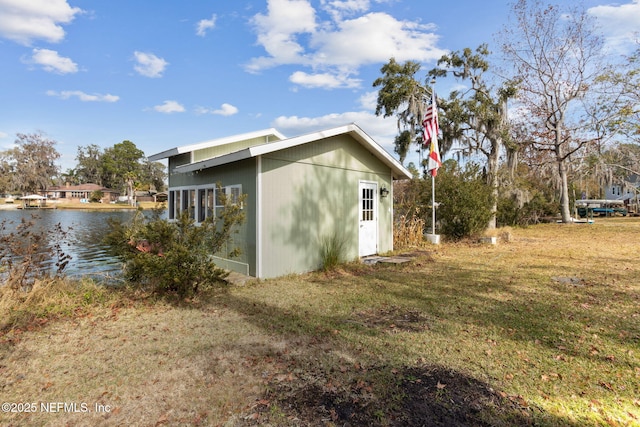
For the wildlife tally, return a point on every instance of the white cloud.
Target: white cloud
(204, 25)
(24, 21)
(224, 110)
(3, 135)
(340, 9)
(335, 49)
(51, 61)
(619, 24)
(374, 38)
(82, 96)
(169, 107)
(369, 100)
(323, 80)
(149, 65)
(277, 32)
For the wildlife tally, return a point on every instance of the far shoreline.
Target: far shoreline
(87, 206)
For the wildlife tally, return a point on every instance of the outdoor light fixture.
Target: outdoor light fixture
(384, 192)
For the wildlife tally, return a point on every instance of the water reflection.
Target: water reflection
(83, 242)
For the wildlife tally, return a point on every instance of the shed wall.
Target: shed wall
(309, 195)
(242, 173)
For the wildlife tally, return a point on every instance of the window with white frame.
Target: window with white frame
(232, 193)
(202, 202)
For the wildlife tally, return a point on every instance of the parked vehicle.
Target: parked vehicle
(600, 207)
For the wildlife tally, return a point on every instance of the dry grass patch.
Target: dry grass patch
(51, 299)
(542, 330)
(161, 364)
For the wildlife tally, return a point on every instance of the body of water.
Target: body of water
(85, 232)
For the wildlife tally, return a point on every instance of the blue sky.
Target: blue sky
(170, 73)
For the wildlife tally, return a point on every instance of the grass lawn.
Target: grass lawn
(541, 330)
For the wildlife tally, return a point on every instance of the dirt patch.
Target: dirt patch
(437, 396)
(392, 319)
(413, 396)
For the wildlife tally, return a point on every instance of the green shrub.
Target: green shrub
(173, 257)
(518, 207)
(464, 201)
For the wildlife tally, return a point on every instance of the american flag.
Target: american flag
(431, 129)
(430, 121)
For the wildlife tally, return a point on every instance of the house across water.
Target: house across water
(82, 192)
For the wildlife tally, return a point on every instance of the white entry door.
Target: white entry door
(368, 213)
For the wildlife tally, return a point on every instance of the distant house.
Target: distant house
(628, 192)
(300, 191)
(80, 192)
(625, 192)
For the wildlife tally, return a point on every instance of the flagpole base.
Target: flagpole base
(434, 239)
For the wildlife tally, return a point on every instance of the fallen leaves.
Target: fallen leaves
(550, 377)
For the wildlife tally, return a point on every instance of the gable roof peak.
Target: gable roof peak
(398, 170)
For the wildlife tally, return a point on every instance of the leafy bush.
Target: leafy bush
(511, 212)
(173, 257)
(526, 202)
(464, 201)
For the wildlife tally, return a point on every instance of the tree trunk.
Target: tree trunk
(132, 198)
(564, 193)
(492, 179)
(558, 126)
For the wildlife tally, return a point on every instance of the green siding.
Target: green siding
(243, 173)
(310, 192)
(341, 152)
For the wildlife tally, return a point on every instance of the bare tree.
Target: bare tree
(557, 60)
(626, 117)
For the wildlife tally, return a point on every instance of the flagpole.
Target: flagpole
(431, 128)
(433, 178)
(433, 205)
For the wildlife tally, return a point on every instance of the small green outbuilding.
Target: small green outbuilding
(300, 192)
